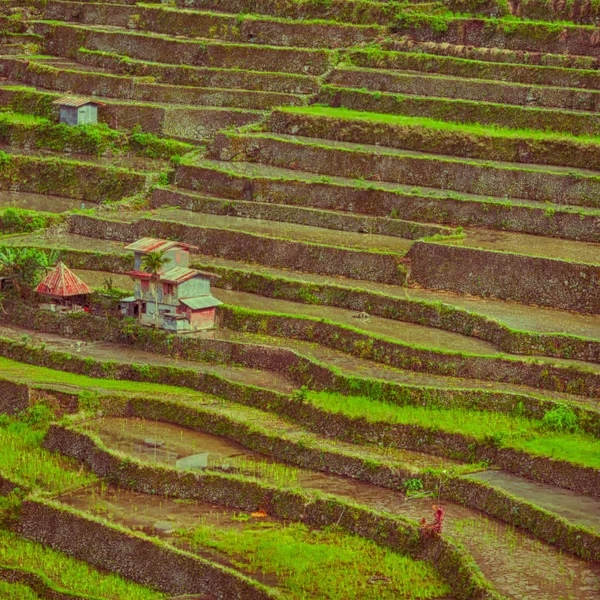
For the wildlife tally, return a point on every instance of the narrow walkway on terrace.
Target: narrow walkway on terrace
(107, 351)
(139, 164)
(521, 317)
(260, 170)
(275, 229)
(352, 366)
(581, 510)
(531, 245)
(380, 150)
(513, 561)
(409, 333)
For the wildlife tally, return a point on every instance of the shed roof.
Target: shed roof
(62, 282)
(75, 101)
(147, 245)
(199, 302)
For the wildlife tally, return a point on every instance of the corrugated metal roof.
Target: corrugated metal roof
(178, 275)
(75, 101)
(61, 281)
(199, 302)
(147, 245)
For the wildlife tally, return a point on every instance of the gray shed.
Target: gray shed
(78, 111)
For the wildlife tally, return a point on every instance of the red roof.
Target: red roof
(61, 281)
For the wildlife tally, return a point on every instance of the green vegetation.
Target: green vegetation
(66, 572)
(499, 429)
(16, 591)
(491, 130)
(18, 129)
(25, 462)
(321, 564)
(43, 376)
(20, 220)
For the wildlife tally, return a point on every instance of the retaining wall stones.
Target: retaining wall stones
(543, 281)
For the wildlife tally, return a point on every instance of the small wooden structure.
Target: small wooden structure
(61, 286)
(78, 111)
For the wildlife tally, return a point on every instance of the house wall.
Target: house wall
(202, 319)
(68, 115)
(88, 115)
(197, 286)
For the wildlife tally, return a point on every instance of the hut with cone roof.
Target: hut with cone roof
(62, 286)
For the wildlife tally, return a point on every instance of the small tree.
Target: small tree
(25, 266)
(154, 263)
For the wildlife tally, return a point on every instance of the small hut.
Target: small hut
(78, 111)
(61, 286)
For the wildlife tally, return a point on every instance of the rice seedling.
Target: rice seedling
(320, 564)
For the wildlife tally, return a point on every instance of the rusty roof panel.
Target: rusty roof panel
(178, 275)
(147, 245)
(62, 282)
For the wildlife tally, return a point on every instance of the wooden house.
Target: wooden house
(180, 294)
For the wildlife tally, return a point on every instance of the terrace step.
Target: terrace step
(283, 83)
(465, 88)
(514, 72)
(529, 269)
(264, 183)
(437, 137)
(518, 35)
(496, 54)
(354, 255)
(127, 354)
(69, 77)
(463, 111)
(227, 27)
(555, 184)
(62, 39)
(311, 10)
(551, 334)
(352, 366)
(165, 197)
(345, 11)
(188, 123)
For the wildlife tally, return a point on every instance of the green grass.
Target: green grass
(24, 461)
(35, 375)
(16, 591)
(67, 572)
(528, 435)
(322, 564)
(406, 121)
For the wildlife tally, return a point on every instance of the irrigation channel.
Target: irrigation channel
(518, 565)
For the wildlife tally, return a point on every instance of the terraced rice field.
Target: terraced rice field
(398, 206)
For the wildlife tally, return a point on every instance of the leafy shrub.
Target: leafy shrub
(562, 419)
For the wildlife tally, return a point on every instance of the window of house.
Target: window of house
(143, 308)
(168, 289)
(145, 285)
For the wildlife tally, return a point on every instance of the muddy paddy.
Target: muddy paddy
(517, 564)
(40, 202)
